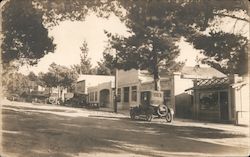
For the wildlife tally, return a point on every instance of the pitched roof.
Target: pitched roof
(201, 72)
(186, 72)
(145, 76)
(93, 80)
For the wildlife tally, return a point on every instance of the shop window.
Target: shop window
(134, 93)
(91, 96)
(126, 94)
(96, 96)
(209, 101)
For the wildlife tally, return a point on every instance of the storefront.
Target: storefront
(213, 100)
(101, 95)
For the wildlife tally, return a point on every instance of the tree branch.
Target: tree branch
(232, 16)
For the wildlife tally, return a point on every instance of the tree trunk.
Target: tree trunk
(59, 91)
(50, 90)
(157, 80)
(156, 74)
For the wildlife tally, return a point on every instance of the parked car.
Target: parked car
(152, 106)
(13, 97)
(78, 100)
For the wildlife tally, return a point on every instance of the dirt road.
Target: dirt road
(42, 131)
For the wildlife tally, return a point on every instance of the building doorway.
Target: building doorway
(104, 98)
(224, 113)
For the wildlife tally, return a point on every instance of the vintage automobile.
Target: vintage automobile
(151, 106)
(13, 97)
(77, 100)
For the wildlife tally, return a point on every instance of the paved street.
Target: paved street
(53, 131)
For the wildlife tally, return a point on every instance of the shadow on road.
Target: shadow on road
(42, 134)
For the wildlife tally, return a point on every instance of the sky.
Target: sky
(69, 36)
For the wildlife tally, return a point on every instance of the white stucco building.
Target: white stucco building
(130, 83)
(86, 81)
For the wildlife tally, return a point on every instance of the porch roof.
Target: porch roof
(214, 83)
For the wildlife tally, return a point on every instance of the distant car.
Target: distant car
(78, 100)
(53, 98)
(13, 97)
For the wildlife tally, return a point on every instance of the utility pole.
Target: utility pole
(116, 86)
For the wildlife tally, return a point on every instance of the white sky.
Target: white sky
(69, 36)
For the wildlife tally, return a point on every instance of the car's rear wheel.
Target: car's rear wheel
(149, 117)
(132, 114)
(52, 100)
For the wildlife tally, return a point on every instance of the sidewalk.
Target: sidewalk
(105, 109)
(228, 127)
(191, 122)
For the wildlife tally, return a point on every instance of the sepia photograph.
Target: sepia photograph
(124, 78)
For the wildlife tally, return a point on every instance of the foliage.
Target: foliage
(150, 21)
(85, 66)
(189, 12)
(75, 10)
(226, 52)
(24, 36)
(102, 69)
(16, 83)
(151, 45)
(48, 79)
(32, 76)
(58, 76)
(106, 66)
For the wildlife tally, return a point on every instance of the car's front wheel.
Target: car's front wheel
(169, 117)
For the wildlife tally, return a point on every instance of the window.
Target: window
(118, 95)
(134, 93)
(209, 101)
(126, 94)
(96, 96)
(91, 96)
(157, 95)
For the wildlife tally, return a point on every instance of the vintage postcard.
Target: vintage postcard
(130, 78)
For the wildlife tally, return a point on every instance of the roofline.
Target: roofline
(97, 75)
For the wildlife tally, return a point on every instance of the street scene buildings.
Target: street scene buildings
(194, 92)
(133, 78)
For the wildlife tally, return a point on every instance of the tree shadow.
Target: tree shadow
(45, 134)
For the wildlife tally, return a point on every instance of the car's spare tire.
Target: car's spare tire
(162, 110)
